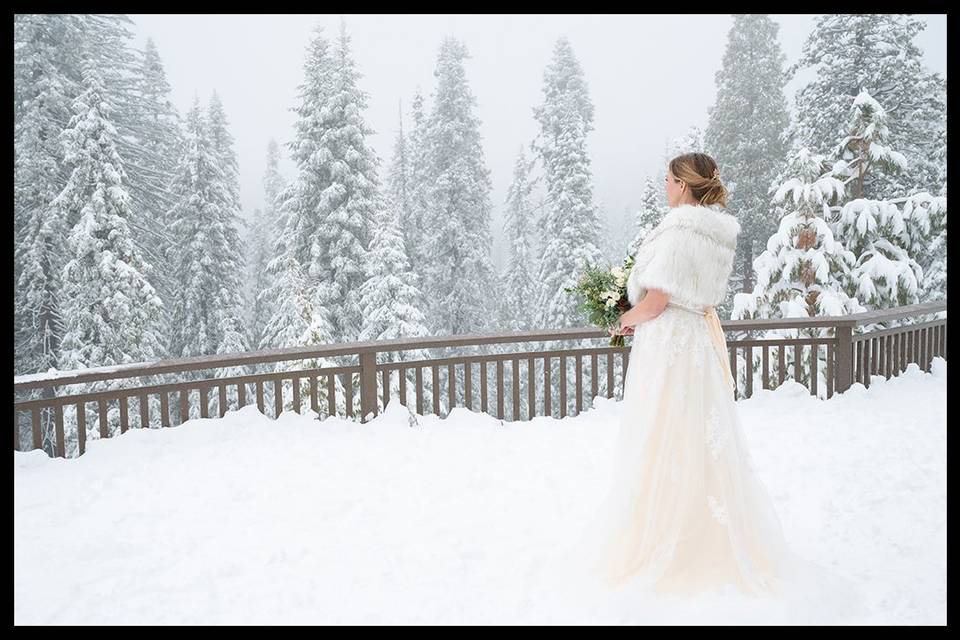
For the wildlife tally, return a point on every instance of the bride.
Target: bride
(685, 510)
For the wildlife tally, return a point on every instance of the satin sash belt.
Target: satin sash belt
(716, 336)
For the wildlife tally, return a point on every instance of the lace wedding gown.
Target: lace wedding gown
(685, 510)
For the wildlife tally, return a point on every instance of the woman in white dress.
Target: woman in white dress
(685, 510)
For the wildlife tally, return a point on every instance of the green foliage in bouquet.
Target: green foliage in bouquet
(603, 296)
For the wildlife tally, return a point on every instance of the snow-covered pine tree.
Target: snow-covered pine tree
(338, 180)
(259, 251)
(299, 299)
(207, 255)
(413, 229)
(690, 142)
(151, 151)
(47, 78)
(519, 286)
(652, 209)
(229, 250)
(349, 202)
(926, 237)
(571, 231)
(885, 275)
(745, 134)
(458, 207)
(270, 229)
(803, 271)
(865, 150)
(43, 90)
(111, 313)
(875, 52)
(398, 184)
(389, 298)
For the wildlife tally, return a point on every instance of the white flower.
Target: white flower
(611, 303)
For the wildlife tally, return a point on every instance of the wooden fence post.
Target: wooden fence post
(368, 384)
(844, 369)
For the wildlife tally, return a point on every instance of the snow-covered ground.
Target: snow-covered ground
(246, 520)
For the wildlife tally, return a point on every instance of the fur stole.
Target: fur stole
(689, 255)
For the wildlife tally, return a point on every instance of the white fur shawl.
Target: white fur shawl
(689, 255)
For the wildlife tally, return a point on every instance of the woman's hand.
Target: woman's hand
(628, 320)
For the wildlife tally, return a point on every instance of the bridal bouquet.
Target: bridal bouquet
(604, 293)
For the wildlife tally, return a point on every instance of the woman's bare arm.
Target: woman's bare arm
(652, 305)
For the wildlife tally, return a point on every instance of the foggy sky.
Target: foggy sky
(650, 78)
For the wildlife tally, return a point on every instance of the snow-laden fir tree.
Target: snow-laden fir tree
(399, 186)
(571, 231)
(111, 313)
(519, 285)
(153, 148)
(653, 207)
(300, 304)
(389, 299)
(926, 232)
(266, 243)
(571, 228)
(259, 245)
(745, 134)
(230, 296)
(887, 240)
(865, 149)
(804, 270)
(457, 213)
(417, 183)
(43, 89)
(331, 206)
(885, 275)
(690, 142)
(875, 52)
(339, 180)
(207, 255)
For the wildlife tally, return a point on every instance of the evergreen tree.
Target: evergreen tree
(399, 186)
(207, 257)
(457, 205)
(413, 230)
(805, 270)
(876, 53)
(43, 89)
(745, 133)
(111, 313)
(876, 231)
(269, 250)
(571, 227)
(338, 183)
(389, 298)
(519, 287)
(571, 232)
(154, 150)
(926, 238)
(689, 142)
(652, 210)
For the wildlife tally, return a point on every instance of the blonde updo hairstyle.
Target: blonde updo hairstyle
(700, 172)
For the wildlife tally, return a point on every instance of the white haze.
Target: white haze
(650, 78)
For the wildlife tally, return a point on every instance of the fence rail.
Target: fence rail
(852, 350)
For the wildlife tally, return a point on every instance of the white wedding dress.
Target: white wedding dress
(685, 510)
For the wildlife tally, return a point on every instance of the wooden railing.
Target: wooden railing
(851, 356)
